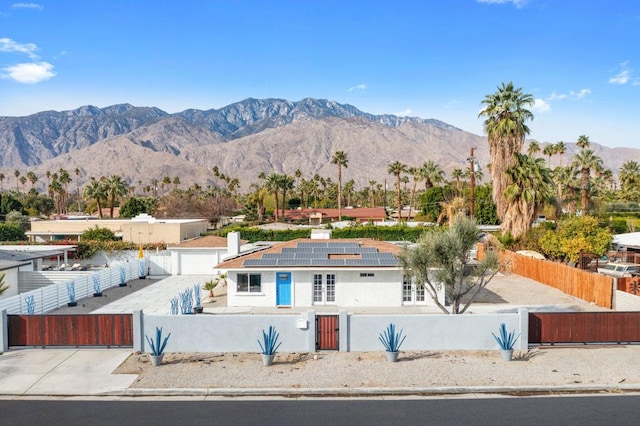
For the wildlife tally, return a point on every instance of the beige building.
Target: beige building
(141, 229)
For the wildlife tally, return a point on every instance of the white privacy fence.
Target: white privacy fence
(47, 291)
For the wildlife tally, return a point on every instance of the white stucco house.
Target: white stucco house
(200, 256)
(308, 272)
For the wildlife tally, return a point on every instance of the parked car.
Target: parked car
(620, 269)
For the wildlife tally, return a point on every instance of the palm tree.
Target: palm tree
(272, 184)
(372, 184)
(286, 184)
(349, 186)
(115, 187)
(16, 173)
(567, 184)
(533, 149)
(95, 190)
(431, 173)
(340, 159)
(549, 150)
(397, 168)
(586, 161)
(583, 141)
(629, 176)
(76, 171)
(2, 177)
(457, 174)
(33, 179)
(64, 180)
(530, 187)
(417, 177)
(23, 181)
(505, 126)
(559, 149)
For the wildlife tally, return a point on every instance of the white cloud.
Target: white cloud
(8, 45)
(624, 75)
(358, 87)
(406, 113)
(540, 105)
(30, 73)
(581, 94)
(516, 3)
(34, 6)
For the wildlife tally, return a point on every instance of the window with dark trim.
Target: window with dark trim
(249, 283)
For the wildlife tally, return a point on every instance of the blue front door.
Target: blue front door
(283, 288)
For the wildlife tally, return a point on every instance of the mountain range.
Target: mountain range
(243, 140)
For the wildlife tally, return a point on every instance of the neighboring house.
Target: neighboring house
(319, 216)
(307, 272)
(199, 256)
(141, 229)
(10, 265)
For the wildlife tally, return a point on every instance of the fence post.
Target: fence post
(138, 331)
(311, 331)
(523, 314)
(4, 331)
(343, 331)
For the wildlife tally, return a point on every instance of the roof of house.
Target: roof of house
(361, 213)
(14, 259)
(313, 253)
(210, 241)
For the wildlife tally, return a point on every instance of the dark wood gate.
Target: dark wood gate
(71, 330)
(584, 327)
(327, 332)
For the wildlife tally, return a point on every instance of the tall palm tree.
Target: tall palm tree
(505, 126)
(530, 187)
(431, 173)
(567, 185)
(457, 174)
(95, 190)
(629, 176)
(533, 148)
(65, 179)
(286, 184)
(559, 148)
(397, 168)
(586, 161)
(76, 171)
(115, 187)
(372, 184)
(340, 159)
(549, 150)
(583, 141)
(272, 184)
(23, 180)
(33, 179)
(16, 173)
(416, 173)
(2, 177)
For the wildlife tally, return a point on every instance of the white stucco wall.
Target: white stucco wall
(196, 261)
(11, 280)
(384, 288)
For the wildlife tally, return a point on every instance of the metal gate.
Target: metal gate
(584, 327)
(71, 330)
(327, 332)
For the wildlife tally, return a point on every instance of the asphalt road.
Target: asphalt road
(562, 410)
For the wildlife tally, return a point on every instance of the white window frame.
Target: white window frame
(249, 276)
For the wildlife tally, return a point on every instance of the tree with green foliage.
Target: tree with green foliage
(137, 205)
(97, 233)
(505, 125)
(17, 218)
(485, 209)
(11, 232)
(340, 159)
(441, 260)
(575, 235)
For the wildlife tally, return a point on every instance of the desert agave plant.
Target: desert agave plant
(391, 339)
(71, 291)
(506, 341)
(270, 340)
(157, 346)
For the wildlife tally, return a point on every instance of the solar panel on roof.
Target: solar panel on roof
(270, 255)
(342, 245)
(388, 262)
(259, 262)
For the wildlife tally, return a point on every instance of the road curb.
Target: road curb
(379, 391)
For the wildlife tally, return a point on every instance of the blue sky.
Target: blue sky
(430, 59)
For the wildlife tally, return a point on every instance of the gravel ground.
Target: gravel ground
(613, 366)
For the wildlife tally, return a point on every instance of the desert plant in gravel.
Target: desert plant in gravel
(269, 345)
(391, 340)
(157, 346)
(506, 341)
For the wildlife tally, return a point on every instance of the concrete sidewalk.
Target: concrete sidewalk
(39, 372)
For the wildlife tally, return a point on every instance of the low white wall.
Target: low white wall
(358, 333)
(434, 332)
(227, 333)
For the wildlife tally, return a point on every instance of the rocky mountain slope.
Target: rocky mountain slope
(243, 139)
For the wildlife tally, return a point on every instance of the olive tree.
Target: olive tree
(441, 260)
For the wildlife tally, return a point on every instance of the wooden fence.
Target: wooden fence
(584, 327)
(588, 286)
(71, 330)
